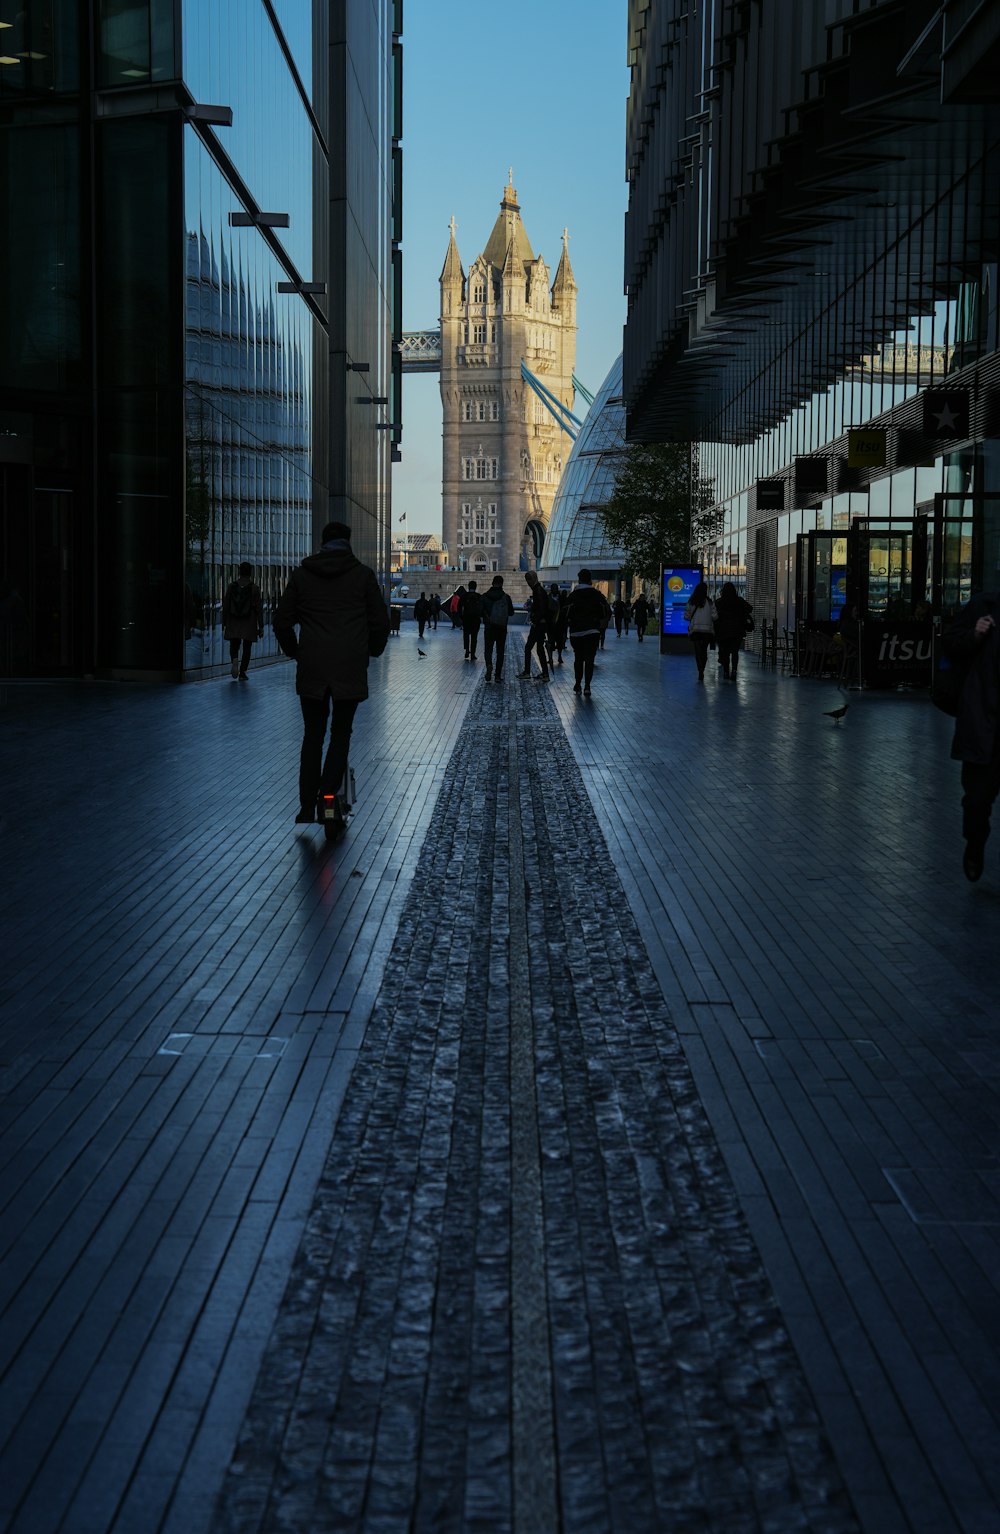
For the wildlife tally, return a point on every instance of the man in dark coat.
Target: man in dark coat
(242, 619)
(973, 643)
(335, 602)
(587, 612)
(640, 612)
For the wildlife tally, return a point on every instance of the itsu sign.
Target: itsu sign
(896, 653)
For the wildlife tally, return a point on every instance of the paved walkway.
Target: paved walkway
(733, 1074)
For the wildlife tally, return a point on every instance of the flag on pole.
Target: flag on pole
(402, 516)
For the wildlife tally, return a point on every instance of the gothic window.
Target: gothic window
(493, 333)
(482, 410)
(468, 411)
(526, 464)
(479, 334)
(494, 411)
(465, 329)
(479, 293)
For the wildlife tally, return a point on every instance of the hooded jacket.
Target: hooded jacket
(335, 602)
(251, 625)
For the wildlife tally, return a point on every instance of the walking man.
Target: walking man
(471, 613)
(435, 605)
(242, 619)
(587, 611)
(498, 609)
(422, 612)
(618, 608)
(335, 603)
(538, 618)
(973, 645)
(640, 612)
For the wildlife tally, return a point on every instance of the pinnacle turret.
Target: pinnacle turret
(564, 280)
(452, 271)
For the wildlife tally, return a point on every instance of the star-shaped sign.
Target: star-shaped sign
(946, 413)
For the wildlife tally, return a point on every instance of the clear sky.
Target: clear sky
(539, 85)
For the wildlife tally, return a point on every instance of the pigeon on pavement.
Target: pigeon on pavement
(421, 652)
(836, 714)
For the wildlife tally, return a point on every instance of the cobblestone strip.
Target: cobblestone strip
(393, 1395)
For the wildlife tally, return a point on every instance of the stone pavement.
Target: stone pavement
(523, 1287)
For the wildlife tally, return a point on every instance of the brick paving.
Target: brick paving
(764, 973)
(671, 1396)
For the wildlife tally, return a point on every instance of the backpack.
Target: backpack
(472, 610)
(241, 601)
(495, 609)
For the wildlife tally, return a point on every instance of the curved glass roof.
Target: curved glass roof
(575, 534)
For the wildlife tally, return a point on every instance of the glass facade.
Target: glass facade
(821, 322)
(165, 411)
(576, 534)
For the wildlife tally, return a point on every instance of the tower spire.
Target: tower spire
(564, 283)
(452, 269)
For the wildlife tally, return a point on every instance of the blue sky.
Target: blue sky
(539, 86)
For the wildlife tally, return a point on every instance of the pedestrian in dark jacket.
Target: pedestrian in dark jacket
(435, 604)
(626, 617)
(973, 644)
(421, 611)
(242, 619)
(586, 611)
(538, 617)
(618, 609)
(470, 610)
(498, 609)
(640, 612)
(733, 621)
(555, 628)
(335, 603)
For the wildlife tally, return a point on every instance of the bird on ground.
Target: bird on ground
(421, 652)
(836, 714)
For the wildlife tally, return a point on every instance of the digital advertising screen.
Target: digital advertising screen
(678, 584)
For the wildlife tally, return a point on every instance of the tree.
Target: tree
(662, 512)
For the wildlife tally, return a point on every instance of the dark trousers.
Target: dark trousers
(729, 655)
(421, 625)
(584, 650)
(493, 635)
(314, 716)
(640, 629)
(981, 784)
(618, 625)
(701, 643)
(234, 650)
(470, 633)
(536, 641)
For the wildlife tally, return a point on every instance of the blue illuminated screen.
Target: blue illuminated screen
(678, 584)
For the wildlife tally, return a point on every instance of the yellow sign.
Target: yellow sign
(675, 583)
(866, 449)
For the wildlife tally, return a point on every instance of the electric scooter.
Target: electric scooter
(334, 810)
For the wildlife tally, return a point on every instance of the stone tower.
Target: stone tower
(503, 452)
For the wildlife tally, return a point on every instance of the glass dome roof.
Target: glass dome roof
(575, 534)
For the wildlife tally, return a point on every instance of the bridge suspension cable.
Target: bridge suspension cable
(563, 417)
(584, 393)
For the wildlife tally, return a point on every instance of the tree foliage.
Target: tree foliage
(662, 511)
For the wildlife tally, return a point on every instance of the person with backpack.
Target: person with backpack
(335, 603)
(699, 615)
(422, 612)
(242, 620)
(498, 609)
(640, 612)
(734, 620)
(538, 616)
(471, 613)
(586, 611)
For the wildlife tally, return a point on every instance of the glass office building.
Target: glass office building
(576, 538)
(201, 311)
(811, 263)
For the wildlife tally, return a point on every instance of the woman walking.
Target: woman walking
(242, 620)
(700, 617)
(734, 619)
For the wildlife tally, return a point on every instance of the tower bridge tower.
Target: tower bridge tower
(502, 451)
